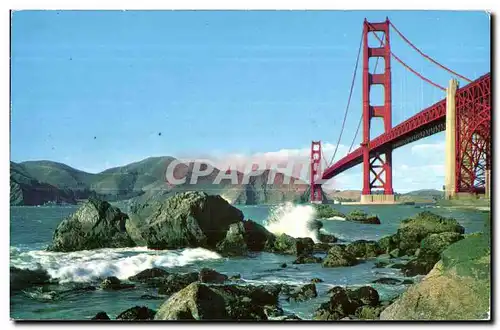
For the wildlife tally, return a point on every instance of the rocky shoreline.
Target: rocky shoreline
(428, 243)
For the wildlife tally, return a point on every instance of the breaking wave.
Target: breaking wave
(293, 220)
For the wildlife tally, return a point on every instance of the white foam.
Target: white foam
(337, 218)
(292, 220)
(85, 266)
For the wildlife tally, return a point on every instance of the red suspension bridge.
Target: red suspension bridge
(465, 115)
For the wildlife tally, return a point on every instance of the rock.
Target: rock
(24, 278)
(396, 253)
(368, 312)
(234, 244)
(366, 295)
(304, 246)
(397, 266)
(360, 216)
(150, 297)
(283, 265)
(316, 280)
(407, 282)
(96, 224)
(434, 244)
(388, 243)
(326, 238)
(314, 225)
(419, 266)
(113, 283)
(387, 280)
(321, 247)
(310, 259)
(292, 317)
(338, 257)
(194, 302)
(413, 230)
(219, 302)
(101, 316)
(176, 282)
(257, 236)
(235, 277)
(363, 249)
(457, 288)
(137, 313)
(207, 275)
(188, 219)
(338, 307)
(283, 243)
(151, 276)
(304, 292)
(381, 264)
(273, 311)
(324, 211)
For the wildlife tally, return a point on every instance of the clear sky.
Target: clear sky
(94, 89)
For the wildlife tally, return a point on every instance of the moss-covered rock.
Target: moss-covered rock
(304, 292)
(364, 249)
(388, 243)
(137, 313)
(360, 216)
(96, 224)
(338, 257)
(368, 312)
(176, 282)
(457, 288)
(325, 211)
(234, 244)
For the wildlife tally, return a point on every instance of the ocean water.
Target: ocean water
(31, 230)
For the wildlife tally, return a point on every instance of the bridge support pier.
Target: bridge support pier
(450, 141)
(377, 199)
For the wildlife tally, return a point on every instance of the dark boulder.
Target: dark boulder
(321, 247)
(387, 280)
(188, 219)
(366, 295)
(137, 313)
(338, 257)
(338, 307)
(256, 236)
(316, 280)
(101, 316)
(208, 275)
(96, 224)
(24, 278)
(152, 276)
(176, 282)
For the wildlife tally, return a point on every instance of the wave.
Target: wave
(337, 218)
(89, 265)
(293, 220)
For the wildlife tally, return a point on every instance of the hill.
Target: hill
(39, 182)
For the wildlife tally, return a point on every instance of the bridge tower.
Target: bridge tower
(315, 171)
(377, 168)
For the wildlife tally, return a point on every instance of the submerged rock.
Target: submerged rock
(388, 280)
(338, 257)
(96, 224)
(208, 275)
(113, 283)
(309, 259)
(24, 278)
(137, 313)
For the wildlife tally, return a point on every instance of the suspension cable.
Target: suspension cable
(349, 99)
(426, 56)
(413, 71)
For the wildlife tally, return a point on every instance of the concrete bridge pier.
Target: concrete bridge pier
(450, 141)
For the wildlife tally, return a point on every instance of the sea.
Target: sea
(31, 230)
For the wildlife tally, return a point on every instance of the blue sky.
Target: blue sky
(220, 83)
